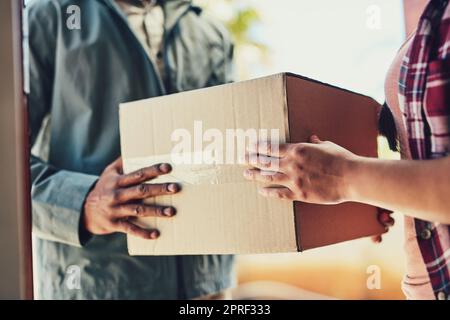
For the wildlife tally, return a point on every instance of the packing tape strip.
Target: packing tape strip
(191, 173)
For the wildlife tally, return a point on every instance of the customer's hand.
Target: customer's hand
(315, 172)
(116, 200)
(384, 217)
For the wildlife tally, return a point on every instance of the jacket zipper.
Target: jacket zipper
(181, 290)
(119, 13)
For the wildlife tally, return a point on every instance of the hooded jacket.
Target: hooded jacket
(77, 78)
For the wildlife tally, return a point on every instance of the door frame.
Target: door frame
(16, 276)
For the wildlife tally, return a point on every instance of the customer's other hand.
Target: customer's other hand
(384, 217)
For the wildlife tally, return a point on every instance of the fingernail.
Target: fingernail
(314, 138)
(262, 192)
(376, 239)
(247, 173)
(173, 187)
(165, 167)
(169, 211)
(154, 234)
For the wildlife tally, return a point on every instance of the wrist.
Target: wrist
(83, 224)
(352, 173)
(84, 233)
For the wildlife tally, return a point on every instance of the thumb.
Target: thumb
(118, 165)
(315, 139)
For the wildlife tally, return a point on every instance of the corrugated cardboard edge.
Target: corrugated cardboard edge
(291, 74)
(121, 106)
(288, 139)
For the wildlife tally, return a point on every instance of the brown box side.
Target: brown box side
(315, 108)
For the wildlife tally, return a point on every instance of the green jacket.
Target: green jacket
(77, 80)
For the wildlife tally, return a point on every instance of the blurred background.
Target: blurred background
(348, 43)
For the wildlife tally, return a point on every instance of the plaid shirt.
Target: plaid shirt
(424, 90)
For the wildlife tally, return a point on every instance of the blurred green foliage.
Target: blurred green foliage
(240, 24)
(239, 19)
(240, 16)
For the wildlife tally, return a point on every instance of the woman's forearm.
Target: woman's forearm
(417, 188)
(325, 173)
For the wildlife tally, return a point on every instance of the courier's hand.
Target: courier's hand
(116, 200)
(310, 172)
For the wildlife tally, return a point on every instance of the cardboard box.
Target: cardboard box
(218, 211)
